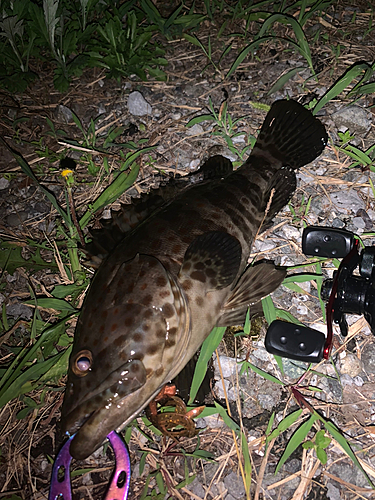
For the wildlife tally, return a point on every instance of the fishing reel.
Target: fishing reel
(345, 294)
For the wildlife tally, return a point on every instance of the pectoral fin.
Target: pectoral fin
(256, 282)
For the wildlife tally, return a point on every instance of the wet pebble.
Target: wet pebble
(137, 104)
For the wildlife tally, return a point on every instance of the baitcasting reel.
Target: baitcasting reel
(345, 293)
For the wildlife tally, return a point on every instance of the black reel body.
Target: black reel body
(345, 294)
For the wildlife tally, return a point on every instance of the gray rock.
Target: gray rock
(219, 389)
(239, 139)
(358, 381)
(294, 369)
(229, 366)
(4, 183)
(17, 218)
(263, 246)
(368, 359)
(359, 222)
(234, 485)
(335, 388)
(195, 130)
(353, 118)
(346, 201)
(196, 488)
(338, 223)
(20, 311)
(351, 365)
(64, 114)
(262, 354)
(333, 493)
(137, 104)
(291, 233)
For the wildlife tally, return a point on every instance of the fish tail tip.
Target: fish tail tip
(291, 134)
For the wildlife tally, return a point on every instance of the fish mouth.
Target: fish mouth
(90, 416)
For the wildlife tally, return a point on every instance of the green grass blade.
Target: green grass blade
(344, 81)
(122, 182)
(263, 374)
(207, 349)
(279, 84)
(296, 439)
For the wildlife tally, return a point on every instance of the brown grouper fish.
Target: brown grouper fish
(182, 271)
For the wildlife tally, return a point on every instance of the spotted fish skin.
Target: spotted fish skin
(181, 272)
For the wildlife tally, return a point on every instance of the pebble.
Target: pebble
(333, 493)
(234, 484)
(137, 104)
(261, 354)
(4, 183)
(353, 118)
(368, 358)
(263, 246)
(351, 365)
(229, 366)
(17, 218)
(292, 233)
(219, 389)
(346, 201)
(239, 139)
(64, 114)
(196, 129)
(359, 222)
(20, 311)
(358, 381)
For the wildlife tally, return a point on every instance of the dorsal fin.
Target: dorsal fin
(130, 216)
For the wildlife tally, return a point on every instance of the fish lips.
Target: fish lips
(89, 418)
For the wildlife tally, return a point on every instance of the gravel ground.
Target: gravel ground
(341, 197)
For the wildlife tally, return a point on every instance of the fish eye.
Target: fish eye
(82, 363)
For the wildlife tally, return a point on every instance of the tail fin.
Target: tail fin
(291, 134)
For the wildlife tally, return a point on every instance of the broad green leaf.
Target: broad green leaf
(11, 258)
(269, 309)
(289, 420)
(200, 119)
(227, 419)
(52, 303)
(296, 439)
(321, 454)
(341, 84)
(207, 349)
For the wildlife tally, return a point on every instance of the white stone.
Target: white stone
(228, 367)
